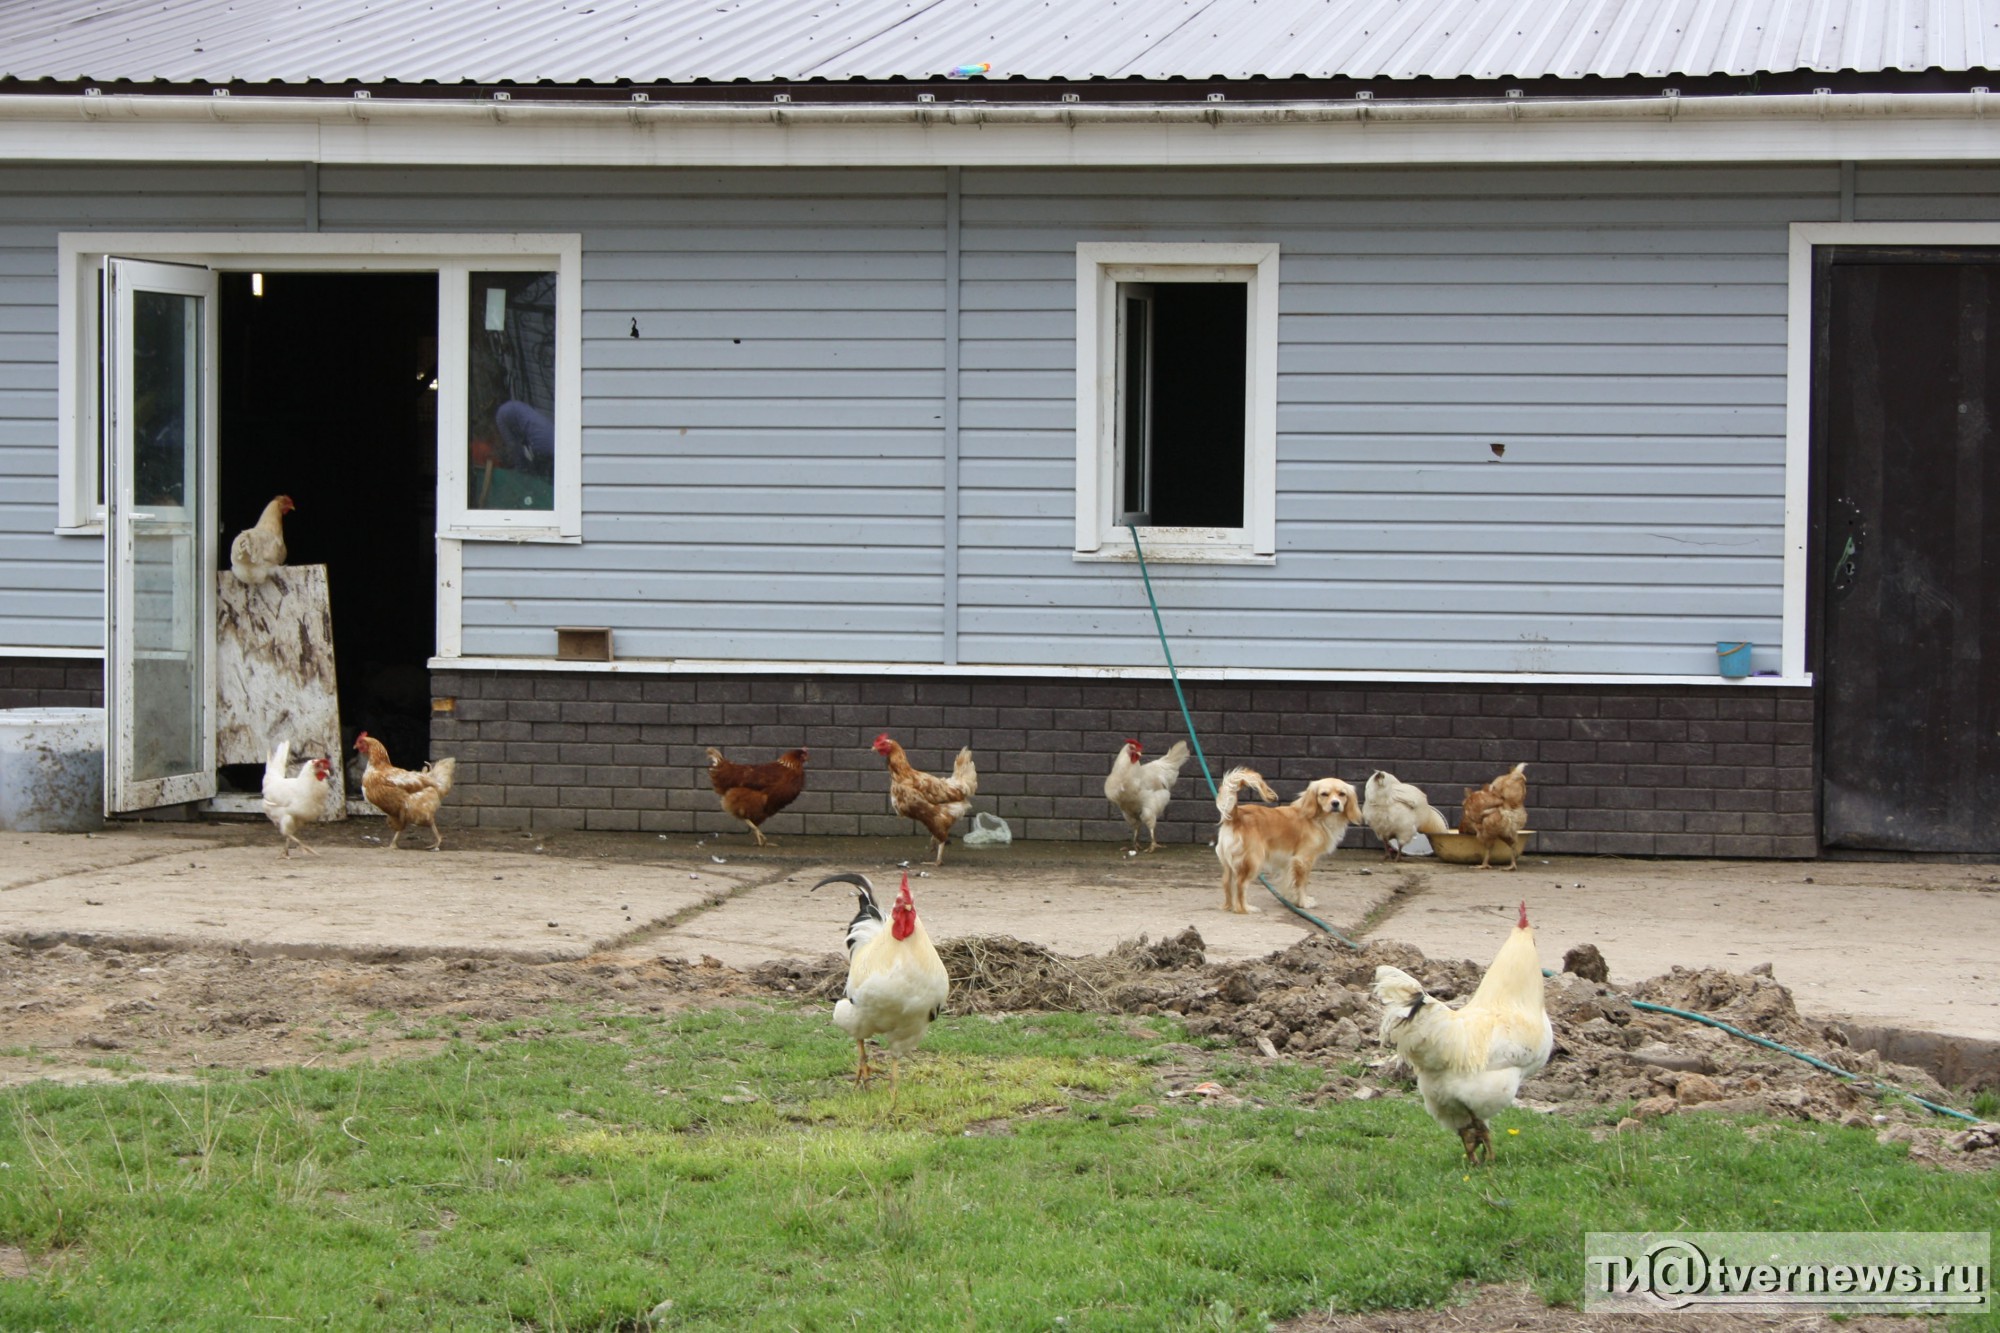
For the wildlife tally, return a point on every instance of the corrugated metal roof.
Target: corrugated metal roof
(678, 41)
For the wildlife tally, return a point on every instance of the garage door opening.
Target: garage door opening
(327, 393)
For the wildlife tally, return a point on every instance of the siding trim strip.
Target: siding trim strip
(700, 667)
(949, 652)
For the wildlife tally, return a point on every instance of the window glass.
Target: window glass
(511, 444)
(1181, 454)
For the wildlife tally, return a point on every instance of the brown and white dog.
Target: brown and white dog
(1258, 839)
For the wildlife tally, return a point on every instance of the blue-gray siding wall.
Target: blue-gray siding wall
(764, 473)
(52, 588)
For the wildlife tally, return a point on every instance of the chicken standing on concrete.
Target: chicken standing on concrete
(406, 797)
(1141, 790)
(1397, 813)
(1497, 813)
(290, 801)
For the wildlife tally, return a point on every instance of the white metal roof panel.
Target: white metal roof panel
(675, 41)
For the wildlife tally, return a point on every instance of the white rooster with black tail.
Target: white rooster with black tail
(896, 983)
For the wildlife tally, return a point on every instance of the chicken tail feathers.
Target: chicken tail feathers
(964, 774)
(442, 773)
(714, 756)
(1430, 821)
(1176, 755)
(280, 757)
(867, 921)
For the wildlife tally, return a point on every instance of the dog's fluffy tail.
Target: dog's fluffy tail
(1234, 781)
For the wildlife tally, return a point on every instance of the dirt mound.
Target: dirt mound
(1312, 1002)
(1000, 974)
(92, 1012)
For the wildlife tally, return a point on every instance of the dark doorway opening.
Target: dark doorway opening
(1183, 402)
(1905, 572)
(326, 396)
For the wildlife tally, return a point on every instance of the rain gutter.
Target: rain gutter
(115, 108)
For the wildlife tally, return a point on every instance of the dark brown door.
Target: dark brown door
(1907, 389)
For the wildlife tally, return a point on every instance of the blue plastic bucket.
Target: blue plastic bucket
(1733, 660)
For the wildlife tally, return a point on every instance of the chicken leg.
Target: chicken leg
(1476, 1136)
(864, 1070)
(305, 847)
(757, 833)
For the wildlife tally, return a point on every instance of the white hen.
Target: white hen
(300, 799)
(259, 551)
(1470, 1061)
(896, 983)
(1398, 812)
(1141, 791)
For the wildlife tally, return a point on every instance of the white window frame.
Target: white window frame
(1100, 267)
(453, 257)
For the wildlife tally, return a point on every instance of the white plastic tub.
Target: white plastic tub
(51, 770)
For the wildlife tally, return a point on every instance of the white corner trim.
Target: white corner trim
(709, 667)
(1799, 389)
(450, 598)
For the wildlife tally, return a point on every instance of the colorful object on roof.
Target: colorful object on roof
(970, 71)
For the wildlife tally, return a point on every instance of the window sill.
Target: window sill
(94, 528)
(545, 536)
(1175, 553)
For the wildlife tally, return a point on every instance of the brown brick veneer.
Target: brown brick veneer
(1696, 771)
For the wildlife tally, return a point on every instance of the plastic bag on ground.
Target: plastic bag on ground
(988, 831)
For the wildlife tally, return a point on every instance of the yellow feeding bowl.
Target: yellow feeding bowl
(1462, 849)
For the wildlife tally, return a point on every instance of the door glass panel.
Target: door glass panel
(167, 572)
(511, 444)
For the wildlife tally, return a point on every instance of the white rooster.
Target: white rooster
(1398, 812)
(299, 799)
(896, 983)
(1471, 1061)
(1141, 790)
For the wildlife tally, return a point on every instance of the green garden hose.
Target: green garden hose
(1174, 674)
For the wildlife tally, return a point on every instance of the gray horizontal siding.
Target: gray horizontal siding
(764, 462)
(52, 588)
(1621, 332)
(763, 471)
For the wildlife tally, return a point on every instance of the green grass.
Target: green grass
(1033, 1171)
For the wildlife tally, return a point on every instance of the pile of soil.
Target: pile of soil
(101, 1012)
(1311, 1003)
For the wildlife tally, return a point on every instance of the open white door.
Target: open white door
(159, 334)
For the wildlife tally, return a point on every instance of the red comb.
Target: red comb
(1523, 924)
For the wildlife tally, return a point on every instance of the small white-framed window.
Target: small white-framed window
(509, 376)
(1177, 393)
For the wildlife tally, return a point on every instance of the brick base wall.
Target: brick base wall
(1665, 771)
(51, 682)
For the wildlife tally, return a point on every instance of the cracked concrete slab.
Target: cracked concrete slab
(352, 899)
(1895, 944)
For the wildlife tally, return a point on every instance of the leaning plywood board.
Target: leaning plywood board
(274, 672)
